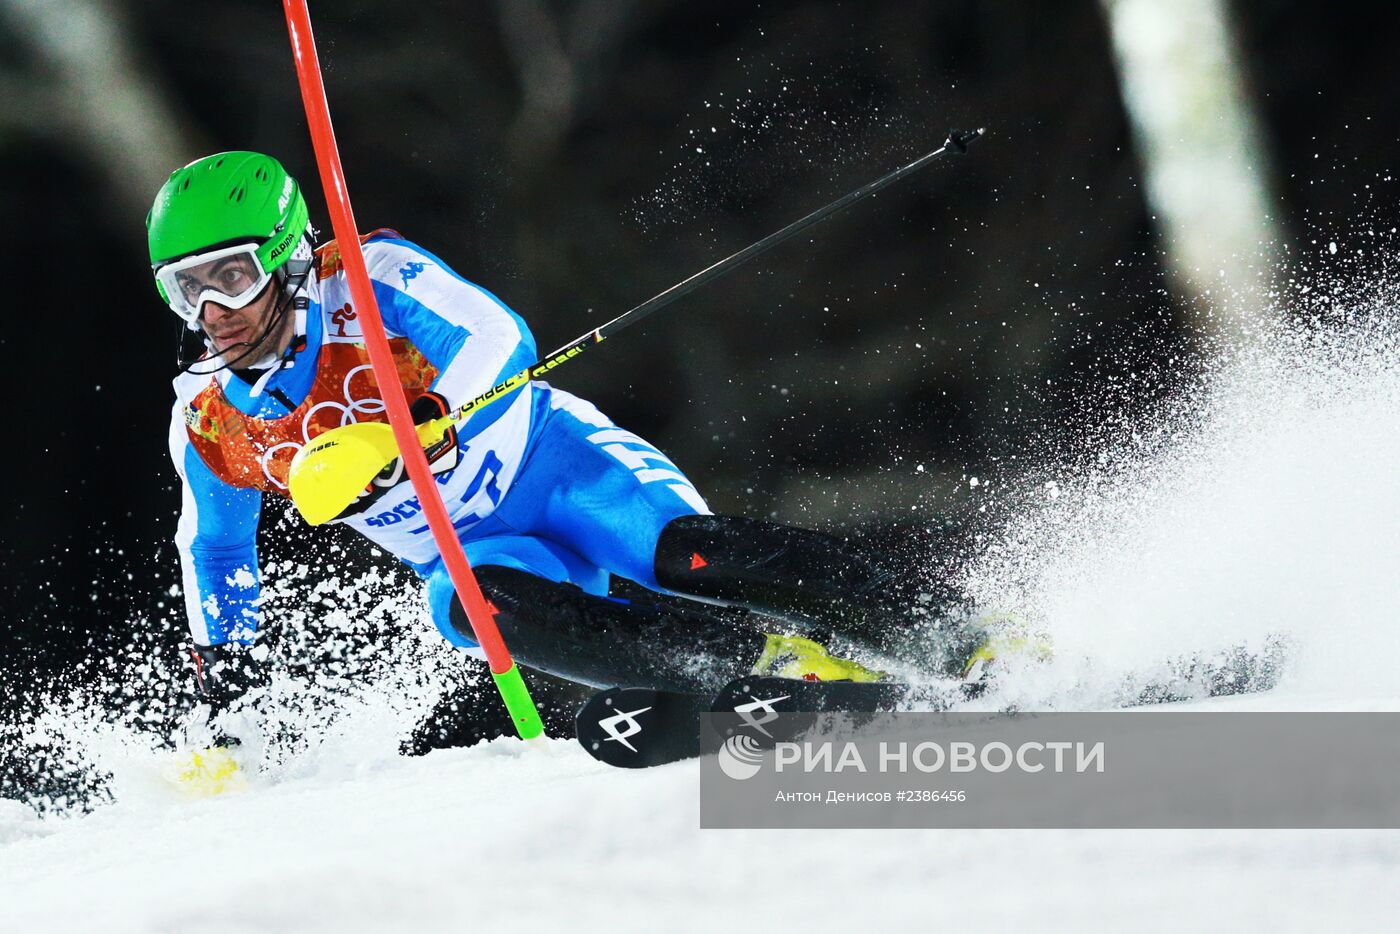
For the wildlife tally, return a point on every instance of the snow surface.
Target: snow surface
(545, 838)
(1263, 505)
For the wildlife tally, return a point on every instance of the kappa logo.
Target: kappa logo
(622, 725)
(410, 271)
(759, 711)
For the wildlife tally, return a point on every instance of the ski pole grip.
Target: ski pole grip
(518, 703)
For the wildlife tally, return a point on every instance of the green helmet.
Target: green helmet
(224, 199)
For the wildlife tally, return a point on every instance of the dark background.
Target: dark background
(944, 325)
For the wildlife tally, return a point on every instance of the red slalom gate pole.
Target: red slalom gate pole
(483, 621)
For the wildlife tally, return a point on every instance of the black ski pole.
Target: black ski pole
(311, 461)
(956, 142)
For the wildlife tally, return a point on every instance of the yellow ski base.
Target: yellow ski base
(205, 773)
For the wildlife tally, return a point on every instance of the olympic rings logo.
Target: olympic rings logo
(348, 410)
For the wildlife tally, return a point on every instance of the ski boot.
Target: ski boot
(206, 761)
(796, 657)
(207, 772)
(1001, 637)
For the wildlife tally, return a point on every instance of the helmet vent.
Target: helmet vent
(185, 184)
(217, 164)
(236, 194)
(261, 173)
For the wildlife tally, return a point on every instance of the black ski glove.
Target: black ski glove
(442, 455)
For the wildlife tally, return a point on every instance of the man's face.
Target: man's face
(233, 332)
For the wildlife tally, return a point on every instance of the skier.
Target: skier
(549, 497)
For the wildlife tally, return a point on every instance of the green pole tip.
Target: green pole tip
(518, 702)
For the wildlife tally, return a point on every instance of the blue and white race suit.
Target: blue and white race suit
(544, 481)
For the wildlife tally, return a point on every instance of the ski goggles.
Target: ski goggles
(232, 277)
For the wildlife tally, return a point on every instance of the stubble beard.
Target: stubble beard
(239, 356)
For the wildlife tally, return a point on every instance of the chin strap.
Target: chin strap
(289, 356)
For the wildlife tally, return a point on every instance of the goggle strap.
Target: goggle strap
(276, 250)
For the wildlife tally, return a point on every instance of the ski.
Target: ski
(766, 696)
(640, 728)
(636, 728)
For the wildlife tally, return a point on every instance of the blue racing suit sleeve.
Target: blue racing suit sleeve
(473, 339)
(217, 541)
